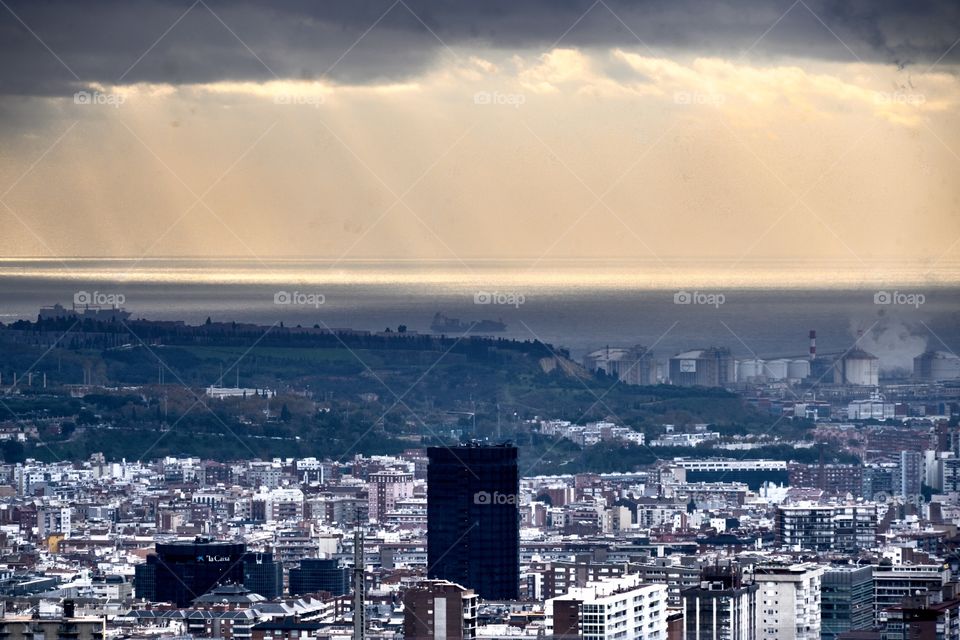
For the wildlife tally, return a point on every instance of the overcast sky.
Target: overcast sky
(541, 129)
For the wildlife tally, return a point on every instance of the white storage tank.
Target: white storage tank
(776, 369)
(857, 368)
(936, 365)
(749, 370)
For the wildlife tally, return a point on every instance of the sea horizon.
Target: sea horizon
(576, 304)
(552, 274)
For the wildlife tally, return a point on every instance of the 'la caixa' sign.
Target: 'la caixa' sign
(203, 558)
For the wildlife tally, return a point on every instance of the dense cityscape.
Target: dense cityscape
(479, 320)
(850, 533)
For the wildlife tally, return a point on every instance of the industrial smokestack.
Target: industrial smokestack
(813, 344)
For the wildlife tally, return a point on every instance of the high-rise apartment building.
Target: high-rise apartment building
(817, 527)
(621, 607)
(384, 489)
(788, 601)
(439, 610)
(723, 606)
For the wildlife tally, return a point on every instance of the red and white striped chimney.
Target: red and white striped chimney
(813, 344)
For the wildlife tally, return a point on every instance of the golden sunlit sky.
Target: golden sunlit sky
(737, 132)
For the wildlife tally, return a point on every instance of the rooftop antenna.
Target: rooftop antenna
(359, 589)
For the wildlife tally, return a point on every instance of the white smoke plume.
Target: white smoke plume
(892, 340)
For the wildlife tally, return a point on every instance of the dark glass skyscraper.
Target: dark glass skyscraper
(262, 575)
(473, 520)
(319, 574)
(182, 571)
(846, 600)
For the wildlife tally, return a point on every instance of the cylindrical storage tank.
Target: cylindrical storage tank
(944, 366)
(798, 369)
(776, 369)
(861, 369)
(748, 370)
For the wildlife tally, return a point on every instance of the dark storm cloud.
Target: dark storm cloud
(111, 41)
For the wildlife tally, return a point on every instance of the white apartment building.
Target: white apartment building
(265, 474)
(685, 439)
(622, 608)
(277, 505)
(788, 601)
(54, 519)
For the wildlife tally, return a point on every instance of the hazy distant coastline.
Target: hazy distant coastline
(578, 305)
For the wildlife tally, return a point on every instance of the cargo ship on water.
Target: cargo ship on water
(443, 324)
(84, 312)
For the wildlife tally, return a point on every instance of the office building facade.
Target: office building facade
(894, 582)
(183, 571)
(262, 575)
(473, 520)
(846, 600)
(319, 574)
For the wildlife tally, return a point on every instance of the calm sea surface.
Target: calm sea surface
(765, 310)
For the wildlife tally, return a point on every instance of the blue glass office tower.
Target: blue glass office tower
(473, 519)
